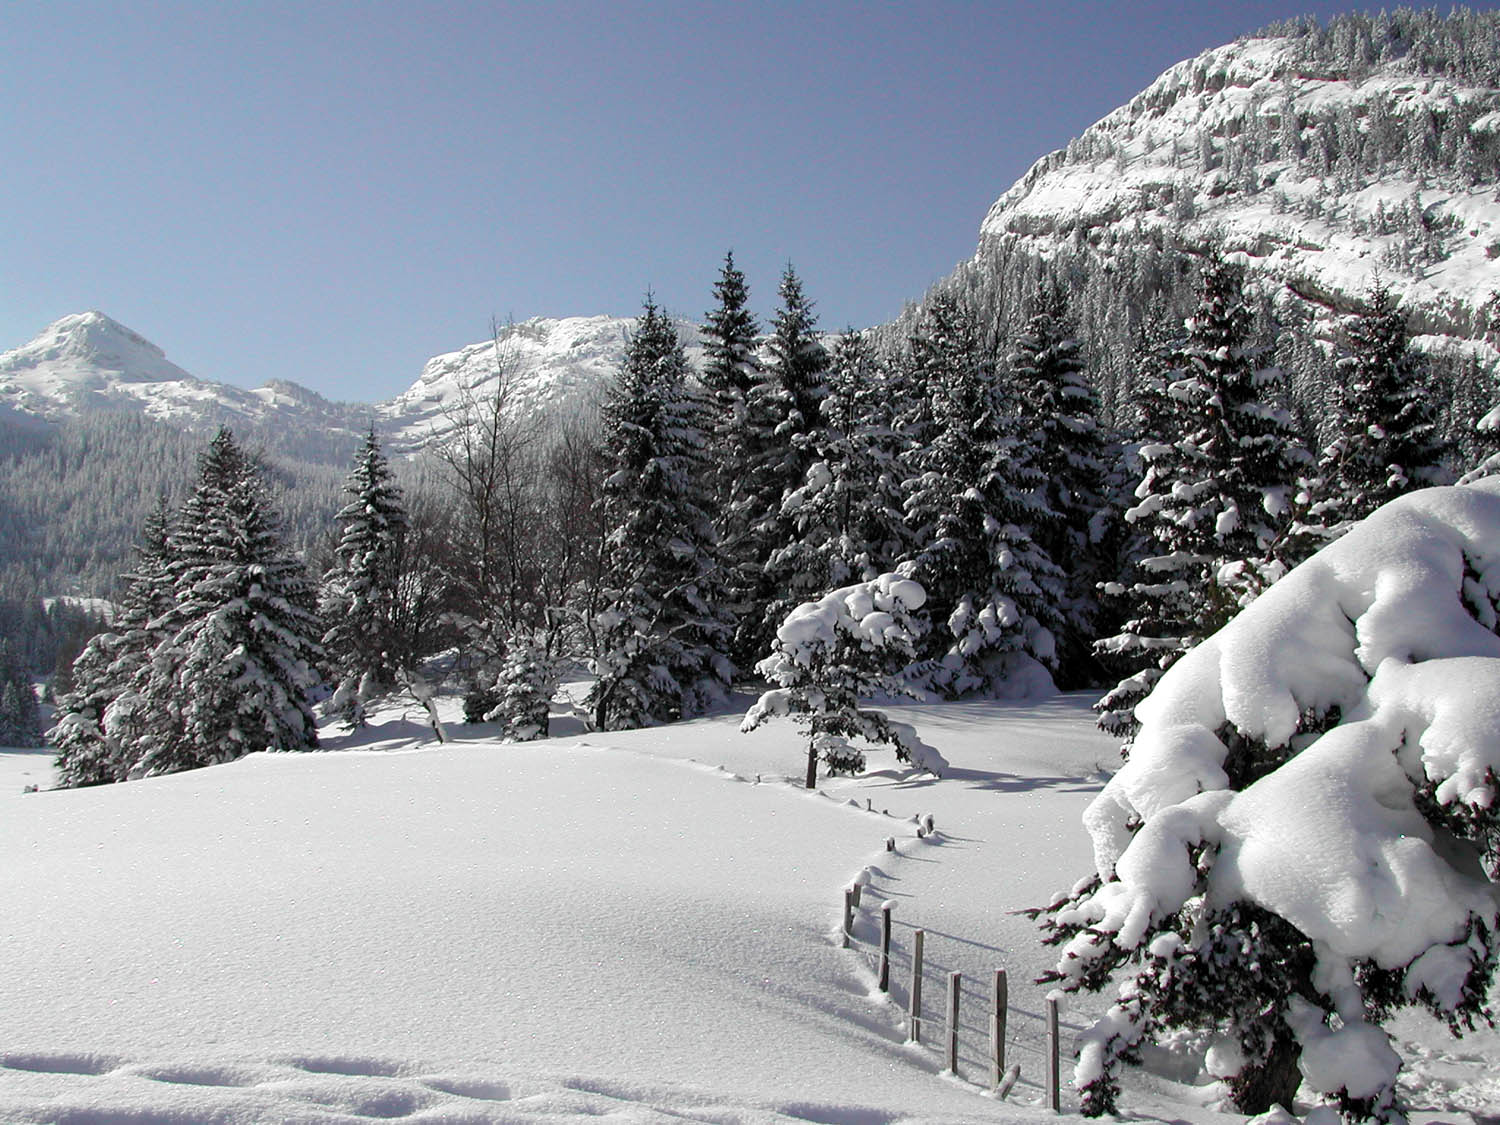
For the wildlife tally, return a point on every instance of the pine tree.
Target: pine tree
(20, 718)
(849, 643)
(1070, 451)
(845, 517)
(731, 370)
(359, 598)
(992, 592)
(1385, 438)
(1215, 499)
(783, 417)
(662, 636)
(235, 674)
(528, 680)
(104, 718)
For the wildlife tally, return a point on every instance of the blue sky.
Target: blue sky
(333, 192)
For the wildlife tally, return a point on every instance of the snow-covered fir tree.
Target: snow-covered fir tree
(1071, 451)
(731, 370)
(1305, 838)
(850, 643)
(528, 679)
(104, 716)
(993, 595)
(359, 596)
(1384, 434)
(844, 519)
(662, 636)
(783, 418)
(236, 672)
(1215, 499)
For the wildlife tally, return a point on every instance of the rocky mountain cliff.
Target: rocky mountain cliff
(1325, 159)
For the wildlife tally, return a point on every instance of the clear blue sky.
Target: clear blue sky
(333, 192)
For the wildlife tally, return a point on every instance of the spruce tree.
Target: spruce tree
(845, 518)
(236, 672)
(104, 718)
(20, 718)
(783, 419)
(359, 596)
(1070, 450)
(731, 370)
(1385, 438)
(993, 594)
(529, 677)
(1215, 498)
(662, 636)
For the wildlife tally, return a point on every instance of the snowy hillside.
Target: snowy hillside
(553, 366)
(87, 362)
(1325, 176)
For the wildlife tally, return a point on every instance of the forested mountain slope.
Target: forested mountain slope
(1325, 159)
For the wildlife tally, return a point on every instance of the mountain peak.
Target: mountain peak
(75, 350)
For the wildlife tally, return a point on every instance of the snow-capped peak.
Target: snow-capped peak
(87, 350)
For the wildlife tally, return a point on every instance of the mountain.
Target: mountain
(1324, 158)
(88, 363)
(552, 366)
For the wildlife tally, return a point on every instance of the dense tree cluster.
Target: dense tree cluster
(215, 648)
(663, 548)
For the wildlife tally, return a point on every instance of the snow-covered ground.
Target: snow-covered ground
(637, 926)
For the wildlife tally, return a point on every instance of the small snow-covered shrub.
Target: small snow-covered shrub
(1306, 835)
(528, 680)
(829, 652)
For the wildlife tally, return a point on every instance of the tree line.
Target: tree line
(662, 546)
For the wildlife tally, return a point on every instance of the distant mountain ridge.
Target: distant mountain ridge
(87, 362)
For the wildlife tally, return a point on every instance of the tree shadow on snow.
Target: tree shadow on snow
(995, 780)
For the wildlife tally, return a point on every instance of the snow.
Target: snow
(639, 925)
(1377, 626)
(87, 362)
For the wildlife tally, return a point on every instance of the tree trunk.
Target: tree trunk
(1273, 1082)
(812, 764)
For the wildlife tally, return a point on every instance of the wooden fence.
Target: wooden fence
(946, 1030)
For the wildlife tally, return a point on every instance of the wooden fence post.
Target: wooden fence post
(848, 915)
(885, 946)
(997, 1029)
(953, 987)
(1054, 1079)
(915, 999)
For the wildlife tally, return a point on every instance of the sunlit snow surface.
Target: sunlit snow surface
(603, 925)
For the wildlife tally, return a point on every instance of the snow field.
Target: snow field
(625, 926)
(486, 910)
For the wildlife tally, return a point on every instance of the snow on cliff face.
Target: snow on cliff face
(554, 366)
(1238, 147)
